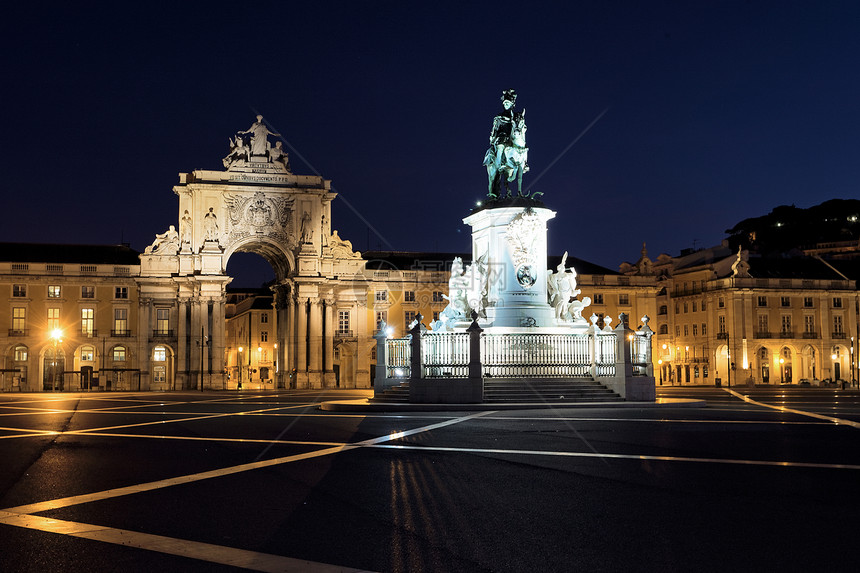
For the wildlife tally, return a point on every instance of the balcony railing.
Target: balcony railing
(89, 333)
(810, 335)
(19, 332)
(162, 333)
(786, 334)
(344, 334)
(120, 332)
(762, 334)
(839, 335)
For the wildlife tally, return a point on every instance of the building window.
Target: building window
(664, 329)
(121, 292)
(686, 308)
(694, 306)
(809, 324)
(721, 303)
(663, 309)
(837, 325)
(88, 292)
(19, 319)
(19, 290)
(382, 296)
(409, 296)
(381, 318)
(721, 325)
(159, 354)
(762, 323)
(704, 329)
(807, 302)
(786, 323)
(437, 296)
(87, 321)
(762, 301)
(695, 330)
(784, 301)
(624, 299)
(837, 302)
(435, 315)
(87, 353)
(598, 298)
(264, 317)
(53, 318)
(120, 321)
(703, 306)
(118, 354)
(53, 291)
(162, 321)
(686, 330)
(677, 331)
(264, 336)
(20, 353)
(343, 322)
(409, 317)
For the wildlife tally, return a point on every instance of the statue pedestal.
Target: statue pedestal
(513, 242)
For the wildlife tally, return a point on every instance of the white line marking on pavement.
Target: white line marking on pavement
(616, 456)
(181, 547)
(839, 421)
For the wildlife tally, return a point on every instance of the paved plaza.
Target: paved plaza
(761, 478)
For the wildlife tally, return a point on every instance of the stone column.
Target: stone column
(328, 344)
(197, 312)
(216, 344)
(281, 305)
(302, 342)
(180, 372)
(315, 343)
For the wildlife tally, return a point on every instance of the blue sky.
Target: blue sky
(714, 112)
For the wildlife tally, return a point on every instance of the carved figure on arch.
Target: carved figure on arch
(239, 153)
(307, 232)
(278, 155)
(259, 137)
(185, 229)
(166, 243)
(210, 226)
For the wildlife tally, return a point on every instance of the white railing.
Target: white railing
(605, 351)
(640, 354)
(574, 355)
(399, 357)
(535, 355)
(445, 355)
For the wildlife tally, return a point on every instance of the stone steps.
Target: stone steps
(518, 390)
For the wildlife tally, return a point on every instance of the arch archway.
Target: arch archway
(763, 364)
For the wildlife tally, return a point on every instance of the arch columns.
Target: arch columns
(315, 347)
(282, 304)
(328, 344)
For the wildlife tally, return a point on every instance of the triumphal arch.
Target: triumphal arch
(258, 205)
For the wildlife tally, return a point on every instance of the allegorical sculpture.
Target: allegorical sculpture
(252, 146)
(506, 159)
(166, 243)
(562, 293)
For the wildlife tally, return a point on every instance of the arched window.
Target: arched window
(87, 353)
(763, 353)
(20, 353)
(159, 354)
(664, 329)
(118, 354)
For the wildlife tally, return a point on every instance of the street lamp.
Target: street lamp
(239, 387)
(57, 337)
(259, 359)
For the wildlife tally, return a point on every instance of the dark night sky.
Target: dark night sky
(715, 111)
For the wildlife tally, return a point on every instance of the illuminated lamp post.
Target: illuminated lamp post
(57, 337)
(260, 370)
(239, 363)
